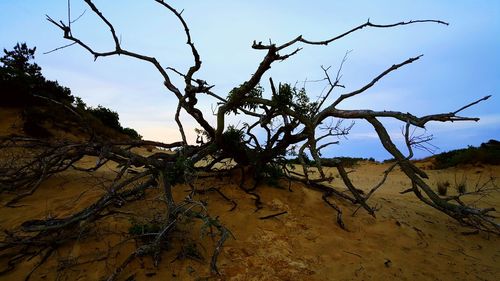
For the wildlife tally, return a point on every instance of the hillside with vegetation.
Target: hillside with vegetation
(47, 108)
(486, 153)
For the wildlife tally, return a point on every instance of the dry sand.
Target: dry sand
(406, 241)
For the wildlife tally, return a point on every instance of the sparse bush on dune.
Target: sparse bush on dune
(132, 133)
(390, 160)
(107, 116)
(461, 187)
(144, 231)
(348, 161)
(486, 153)
(333, 162)
(111, 119)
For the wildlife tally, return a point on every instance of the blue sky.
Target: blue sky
(461, 62)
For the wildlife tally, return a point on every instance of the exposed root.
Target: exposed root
(217, 190)
(340, 222)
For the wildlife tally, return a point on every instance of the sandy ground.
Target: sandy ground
(406, 241)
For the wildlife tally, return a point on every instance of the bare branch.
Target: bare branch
(359, 27)
(197, 61)
(334, 83)
(110, 26)
(375, 80)
(471, 104)
(181, 129)
(60, 48)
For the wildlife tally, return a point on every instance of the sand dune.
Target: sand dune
(406, 241)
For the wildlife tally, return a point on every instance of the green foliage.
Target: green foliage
(332, 162)
(232, 136)
(21, 79)
(487, 153)
(140, 229)
(52, 90)
(111, 119)
(132, 133)
(190, 251)
(272, 172)
(238, 92)
(347, 161)
(177, 173)
(80, 104)
(108, 117)
(284, 96)
(208, 224)
(17, 61)
(390, 160)
(296, 160)
(143, 228)
(296, 99)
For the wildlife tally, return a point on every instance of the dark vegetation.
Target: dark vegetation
(291, 125)
(46, 102)
(333, 162)
(486, 153)
(22, 80)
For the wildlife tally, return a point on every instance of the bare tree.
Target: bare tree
(289, 119)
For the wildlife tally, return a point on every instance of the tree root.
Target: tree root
(217, 190)
(340, 222)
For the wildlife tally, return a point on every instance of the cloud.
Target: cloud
(363, 136)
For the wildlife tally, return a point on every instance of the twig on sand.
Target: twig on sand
(273, 215)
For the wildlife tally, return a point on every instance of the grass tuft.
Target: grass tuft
(442, 187)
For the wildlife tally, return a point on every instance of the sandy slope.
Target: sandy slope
(407, 240)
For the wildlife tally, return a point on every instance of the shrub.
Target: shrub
(347, 162)
(461, 186)
(143, 229)
(190, 251)
(272, 172)
(21, 79)
(178, 172)
(487, 153)
(108, 117)
(390, 160)
(233, 136)
(132, 133)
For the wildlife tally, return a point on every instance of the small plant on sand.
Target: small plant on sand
(442, 187)
(190, 251)
(144, 230)
(461, 186)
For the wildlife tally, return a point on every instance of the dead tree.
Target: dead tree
(288, 117)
